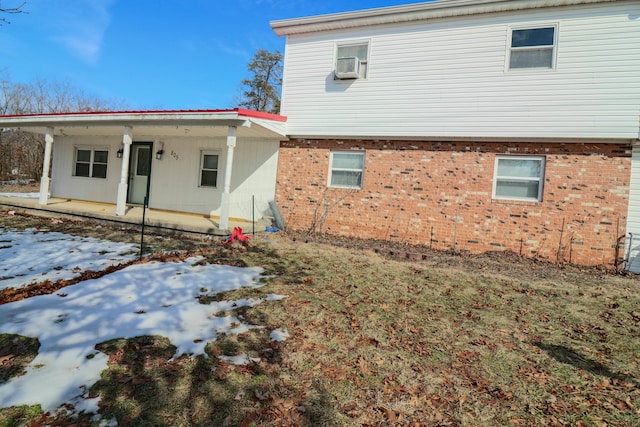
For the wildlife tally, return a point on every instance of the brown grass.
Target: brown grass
(486, 340)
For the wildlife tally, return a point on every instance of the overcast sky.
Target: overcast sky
(151, 54)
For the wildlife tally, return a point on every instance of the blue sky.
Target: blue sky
(151, 54)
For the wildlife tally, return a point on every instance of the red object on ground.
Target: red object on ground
(237, 235)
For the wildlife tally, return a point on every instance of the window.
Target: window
(352, 60)
(91, 163)
(143, 161)
(208, 169)
(346, 169)
(533, 48)
(518, 178)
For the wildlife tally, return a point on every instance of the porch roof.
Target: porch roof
(249, 123)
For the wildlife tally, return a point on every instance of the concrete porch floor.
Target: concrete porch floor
(170, 221)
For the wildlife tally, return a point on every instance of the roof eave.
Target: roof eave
(38, 123)
(412, 12)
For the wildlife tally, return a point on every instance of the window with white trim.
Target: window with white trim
(91, 162)
(518, 178)
(209, 169)
(533, 47)
(347, 53)
(346, 169)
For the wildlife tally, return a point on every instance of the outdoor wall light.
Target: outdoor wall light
(119, 153)
(159, 154)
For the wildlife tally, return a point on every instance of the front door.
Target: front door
(139, 172)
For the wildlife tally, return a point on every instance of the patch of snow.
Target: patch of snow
(153, 298)
(241, 359)
(279, 335)
(32, 256)
(275, 297)
(107, 423)
(21, 195)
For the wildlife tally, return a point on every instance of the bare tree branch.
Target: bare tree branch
(11, 11)
(21, 153)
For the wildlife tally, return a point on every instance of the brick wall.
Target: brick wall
(438, 194)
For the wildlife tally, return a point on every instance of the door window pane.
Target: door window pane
(143, 164)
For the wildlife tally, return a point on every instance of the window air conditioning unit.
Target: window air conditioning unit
(348, 68)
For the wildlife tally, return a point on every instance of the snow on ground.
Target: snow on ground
(32, 256)
(144, 299)
(21, 195)
(241, 359)
(279, 335)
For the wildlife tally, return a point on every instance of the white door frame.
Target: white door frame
(134, 190)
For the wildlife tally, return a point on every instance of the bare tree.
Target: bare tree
(11, 11)
(21, 153)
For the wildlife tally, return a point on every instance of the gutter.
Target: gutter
(38, 123)
(120, 119)
(413, 12)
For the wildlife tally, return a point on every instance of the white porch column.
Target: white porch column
(121, 204)
(226, 194)
(44, 180)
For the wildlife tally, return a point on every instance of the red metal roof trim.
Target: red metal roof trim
(260, 115)
(240, 111)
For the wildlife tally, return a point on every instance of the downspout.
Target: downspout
(44, 180)
(121, 203)
(226, 194)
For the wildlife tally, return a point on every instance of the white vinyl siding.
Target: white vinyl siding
(446, 78)
(90, 162)
(518, 178)
(346, 169)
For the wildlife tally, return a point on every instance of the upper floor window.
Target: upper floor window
(208, 169)
(346, 169)
(352, 60)
(518, 178)
(533, 48)
(91, 162)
